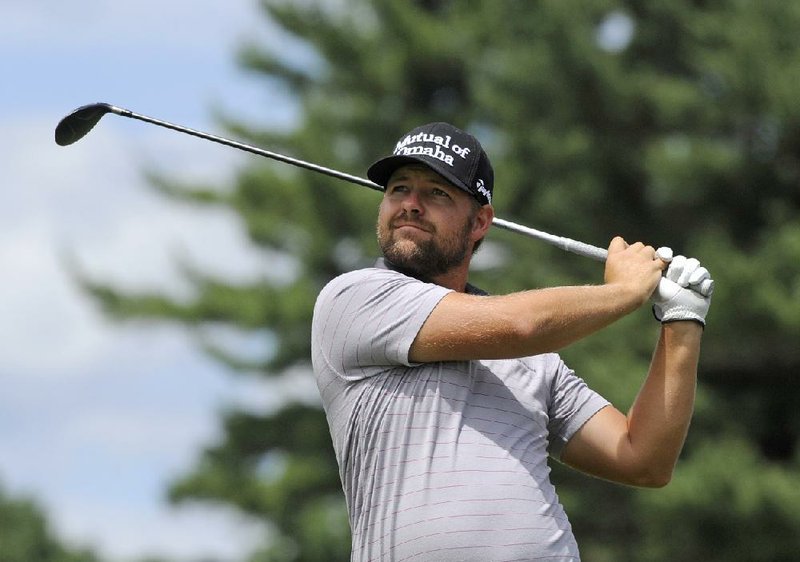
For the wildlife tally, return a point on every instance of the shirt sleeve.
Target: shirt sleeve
(369, 318)
(573, 404)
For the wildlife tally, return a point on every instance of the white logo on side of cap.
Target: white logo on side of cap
(483, 191)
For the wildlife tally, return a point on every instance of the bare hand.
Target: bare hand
(635, 268)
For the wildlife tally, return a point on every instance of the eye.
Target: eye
(440, 193)
(397, 188)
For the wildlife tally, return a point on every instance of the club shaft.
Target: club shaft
(248, 148)
(80, 122)
(567, 244)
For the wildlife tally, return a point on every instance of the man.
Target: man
(444, 403)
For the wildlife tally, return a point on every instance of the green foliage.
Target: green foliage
(688, 136)
(728, 520)
(25, 535)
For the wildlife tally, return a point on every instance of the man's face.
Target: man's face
(425, 224)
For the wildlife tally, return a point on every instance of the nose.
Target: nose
(412, 203)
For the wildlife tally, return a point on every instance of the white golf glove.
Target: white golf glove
(684, 293)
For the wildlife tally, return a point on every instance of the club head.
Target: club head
(77, 124)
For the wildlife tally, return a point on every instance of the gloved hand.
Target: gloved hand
(684, 293)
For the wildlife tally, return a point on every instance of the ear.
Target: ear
(483, 221)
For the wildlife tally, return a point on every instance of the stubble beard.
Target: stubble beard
(424, 259)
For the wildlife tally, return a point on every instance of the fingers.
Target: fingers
(698, 276)
(701, 282)
(642, 251)
(664, 254)
(675, 269)
(633, 266)
(687, 272)
(684, 272)
(689, 267)
(660, 258)
(617, 244)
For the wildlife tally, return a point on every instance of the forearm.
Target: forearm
(464, 327)
(556, 317)
(641, 448)
(659, 419)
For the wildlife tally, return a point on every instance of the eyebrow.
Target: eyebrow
(434, 178)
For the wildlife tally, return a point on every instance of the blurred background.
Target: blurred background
(156, 400)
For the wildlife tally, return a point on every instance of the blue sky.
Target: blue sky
(97, 417)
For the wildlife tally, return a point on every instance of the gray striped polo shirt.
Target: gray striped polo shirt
(440, 461)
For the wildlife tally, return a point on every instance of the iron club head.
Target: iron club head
(77, 124)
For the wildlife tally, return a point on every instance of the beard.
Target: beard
(424, 259)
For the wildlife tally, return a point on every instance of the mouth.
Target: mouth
(409, 226)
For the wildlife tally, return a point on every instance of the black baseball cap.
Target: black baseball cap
(455, 155)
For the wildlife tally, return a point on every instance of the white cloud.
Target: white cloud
(91, 202)
(184, 23)
(95, 417)
(98, 449)
(181, 533)
(45, 326)
(176, 58)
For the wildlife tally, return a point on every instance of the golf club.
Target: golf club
(80, 121)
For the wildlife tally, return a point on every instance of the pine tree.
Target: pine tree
(675, 123)
(26, 535)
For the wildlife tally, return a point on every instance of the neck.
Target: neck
(455, 278)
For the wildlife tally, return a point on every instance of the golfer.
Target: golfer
(445, 403)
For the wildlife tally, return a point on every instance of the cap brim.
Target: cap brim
(382, 170)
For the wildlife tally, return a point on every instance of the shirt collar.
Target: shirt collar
(383, 263)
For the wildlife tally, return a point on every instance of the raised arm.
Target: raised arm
(465, 327)
(641, 449)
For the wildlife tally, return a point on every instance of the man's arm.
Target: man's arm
(641, 449)
(465, 327)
